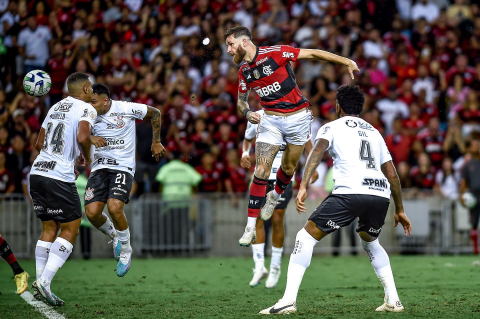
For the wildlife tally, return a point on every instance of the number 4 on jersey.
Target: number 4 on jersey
(366, 154)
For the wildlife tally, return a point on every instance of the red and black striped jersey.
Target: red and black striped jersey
(271, 77)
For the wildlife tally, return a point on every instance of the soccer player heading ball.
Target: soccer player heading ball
(287, 118)
(364, 179)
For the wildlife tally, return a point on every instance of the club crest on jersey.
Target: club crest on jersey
(267, 70)
(120, 123)
(89, 193)
(256, 74)
(351, 123)
(92, 115)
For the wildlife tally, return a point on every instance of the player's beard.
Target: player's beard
(239, 55)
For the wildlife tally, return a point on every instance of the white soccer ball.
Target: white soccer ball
(37, 83)
(469, 199)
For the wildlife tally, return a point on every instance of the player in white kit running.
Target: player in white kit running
(64, 131)
(277, 220)
(364, 178)
(113, 167)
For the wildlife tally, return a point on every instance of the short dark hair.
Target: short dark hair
(351, 99)
(238, 32)
(99, 88)
(77, 78)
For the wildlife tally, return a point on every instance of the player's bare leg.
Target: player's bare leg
(95, 215)
(58, 255)
(290, 159)
(115, 209)
(381, 265)
(265, 154)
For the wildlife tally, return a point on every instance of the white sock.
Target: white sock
(276, 257)
(258, 251)
(41, 256)
(107, 228)
(59, 253)
(124, 237)
(299, 262)
(251, 222)
(381, 265)
(275, 194)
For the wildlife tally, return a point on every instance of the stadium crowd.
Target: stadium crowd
(419, 63)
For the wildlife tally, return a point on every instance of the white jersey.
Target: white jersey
(117, 127)
(60, 147)
(358, 151)
(250, 134)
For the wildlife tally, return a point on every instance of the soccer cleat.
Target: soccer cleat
(124, 262)
(45, 295)
(117, 247)
(280, 308)
(248, 237)
(258, 276)
(273, 277)
(270, 204)
(397, 307)
(22, 282)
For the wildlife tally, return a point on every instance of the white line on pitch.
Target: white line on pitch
(39, 306)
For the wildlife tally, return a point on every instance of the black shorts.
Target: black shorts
(284, 198)
(340, 210)
(108, 183)
(54, 199)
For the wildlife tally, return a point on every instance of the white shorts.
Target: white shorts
(294, 129)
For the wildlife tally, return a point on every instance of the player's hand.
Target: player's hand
(300, 201)
(76, 174)
(245, 162)
(98, 141)
(314, 177)
(352, 66)
(157, 150)
(403, 219)
(253, 117)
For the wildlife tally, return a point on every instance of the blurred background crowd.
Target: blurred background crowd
(419, 64)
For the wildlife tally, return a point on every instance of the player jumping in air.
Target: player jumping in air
(113, 167)
(287, 119)
(21, 276)
(65, 129)
(364, 179)
(278, 228)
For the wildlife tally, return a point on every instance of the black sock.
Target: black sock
(7, 254)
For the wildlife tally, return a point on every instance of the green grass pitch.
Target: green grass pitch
(344, 287)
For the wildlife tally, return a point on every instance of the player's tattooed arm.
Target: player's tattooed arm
(242, 105)
(329, 57)
(157, 148)
(400, 217)
(265, 154)
(314, 159)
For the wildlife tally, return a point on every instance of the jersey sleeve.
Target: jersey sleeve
(325, 132)
(243, 86)
(138, 110)
(88, 114)
(287, 54)
(384, 153)
(251, 131)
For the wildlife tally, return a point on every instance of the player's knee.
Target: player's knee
(288, 169)
(115, 211)
(262, 172)
(92, 214)
(277, 221)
